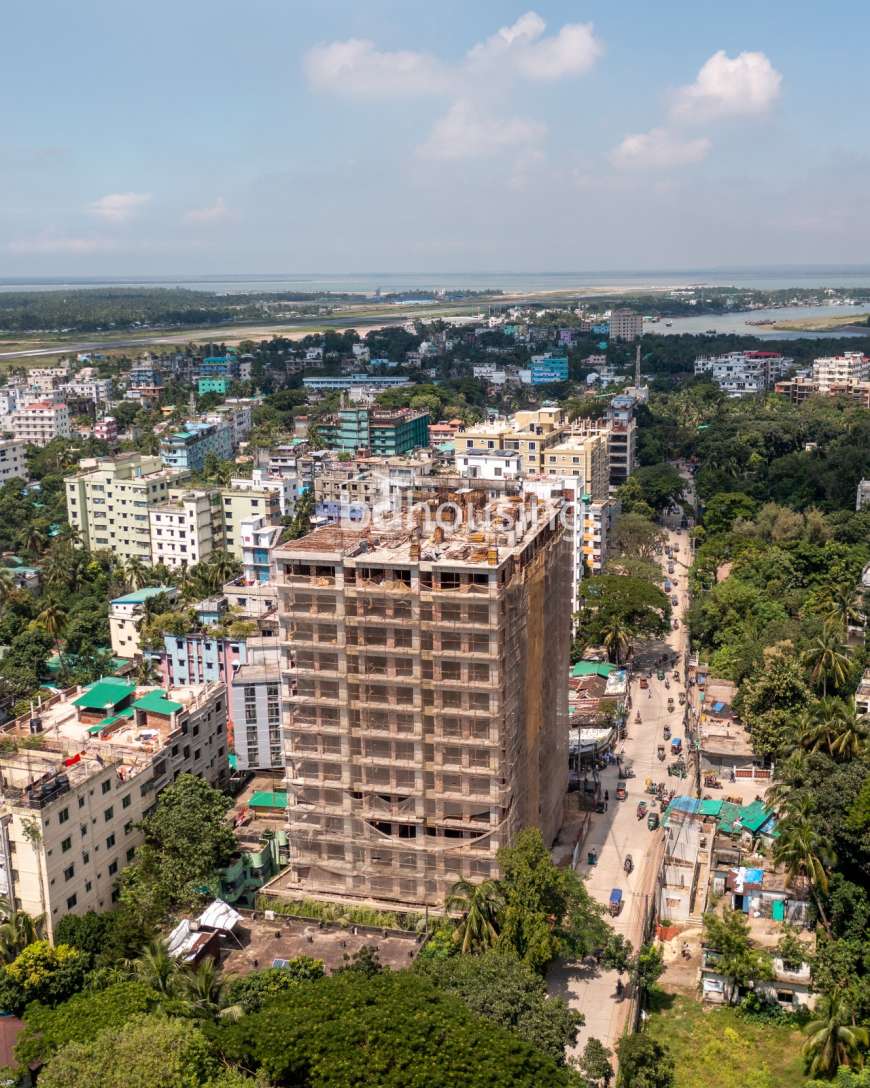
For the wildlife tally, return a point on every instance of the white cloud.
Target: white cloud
(356, 67)
(119, 207)
(658, 149)
(52, 243)
(465, 132)
(743, 86)
(209, 214)
(520, 48)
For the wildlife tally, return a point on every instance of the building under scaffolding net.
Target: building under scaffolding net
(429, 722)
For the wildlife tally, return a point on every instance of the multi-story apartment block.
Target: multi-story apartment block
(744, 373)
(800, 389)
(583, 456)
(488, 464)
(286, 487)
(12, 460)
(213, 385)
(70, 812)
(186, 528)
(851, 366)
(625, 325)
(381, 432)
(126, 615)
(237, 414)
(545, 369)
(259, 538)
(255, 698)
(428, 725)
(531, 433)
(243, 504)
(106, 429)
(37, 422)
(220, 366)
(373, 383)
(108, 501)
(96, 389)
(188, 449)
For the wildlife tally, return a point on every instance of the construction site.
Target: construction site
(429, 719)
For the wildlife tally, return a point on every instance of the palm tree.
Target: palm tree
(841, 606)
(157, 969)
(827, 660)
(34, 541)
(52, 619)
(8, 587)
(833, 1039)
(136, 572)
(224, 566)
(202, 989)
(834, 726)
(787, 791)
(616, 638)
(480, 906)
(17, 931)
(145, 673)
(805, 853)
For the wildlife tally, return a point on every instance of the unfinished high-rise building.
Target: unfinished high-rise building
(429, 720)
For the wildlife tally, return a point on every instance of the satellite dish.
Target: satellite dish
(602, 345)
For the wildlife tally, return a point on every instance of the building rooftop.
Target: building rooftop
(474, 530)
(140, 596)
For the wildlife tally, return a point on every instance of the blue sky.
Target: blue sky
(367, 135)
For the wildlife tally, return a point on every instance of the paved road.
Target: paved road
(619, 832)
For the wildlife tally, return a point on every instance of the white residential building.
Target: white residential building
(12, 462)
(183, 529)
(744, 373)
(126, 615)
(40, 421)
(489, 464)
(851, 366)
(70, 812)
(95, 389)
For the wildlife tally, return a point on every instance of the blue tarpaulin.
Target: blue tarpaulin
(717, 707)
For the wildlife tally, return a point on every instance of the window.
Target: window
(71, 902)
(62, 816)
(69, 872)
(125, 801)
(88, 885)
(108, 814)
(128, 827)
(107, 785)
(131, 853)
(81, 802)
(110, 842)
(65, 845)
(113, 868)
(86, 857)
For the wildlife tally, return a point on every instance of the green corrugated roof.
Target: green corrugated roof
(755, 815)
(140, 596)
(710, 806)
(729, 817)
(268, 799)
(592, 668)
(155, 702)
(105, 693)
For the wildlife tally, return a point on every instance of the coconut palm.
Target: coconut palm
(52, 619)
(833, 1039)
(8, 587)
(224, 566)
(145, 672)
(806, 853)
(17, 931)
(616, 638)
(201, 988)
(834, 726)
(34, 541)
(480, 906)
(157, 969)
(135, 572)
(827, 660)
(841, 606)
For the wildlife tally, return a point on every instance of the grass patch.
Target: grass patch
(343, 913)
(720, 1048)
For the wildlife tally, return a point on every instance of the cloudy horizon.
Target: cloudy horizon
(369, 135)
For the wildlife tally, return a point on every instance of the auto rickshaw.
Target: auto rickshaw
(682, 698)
(628, 864)
(652, 821)
(660, 752)
(667, 732)
(677, 675)
(620, 791)
(615, 905)
(660, 674)
(670, 704)
(641, 809)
